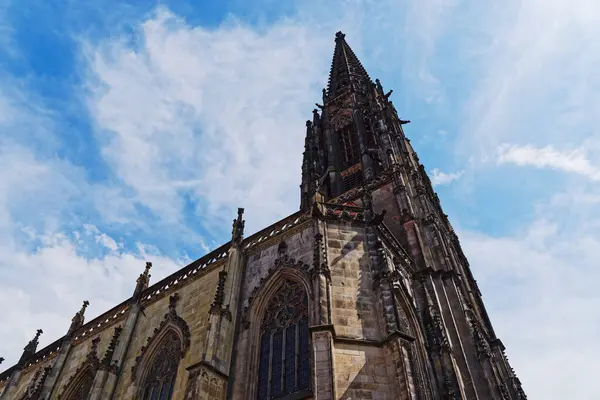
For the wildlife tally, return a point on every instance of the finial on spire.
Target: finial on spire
(173, 299)
(339, 36)
(378, 84)
(237, 233)
(1, 359)
(78, 319)
(142, 281)
(30, 349)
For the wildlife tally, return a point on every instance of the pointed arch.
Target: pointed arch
(279, 315)
(155, 370)
(80, 384)
(284, 268)
(420, 361)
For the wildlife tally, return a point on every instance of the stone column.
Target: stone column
(321, 280)
(57, 367)
(107, 377)
(223, 311)
(111, 375)
(402, 371)
(324, 375)
(106, 366)
(209, 378)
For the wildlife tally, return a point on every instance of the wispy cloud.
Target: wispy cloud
(210, 113)
(444, 178)
(575, 161)
(540, 285)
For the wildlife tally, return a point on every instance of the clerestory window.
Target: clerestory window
(284, 354)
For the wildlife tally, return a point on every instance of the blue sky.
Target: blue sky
(133, 131)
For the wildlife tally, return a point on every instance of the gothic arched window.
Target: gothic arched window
(82, 387)
(284, 354)
(159, 380)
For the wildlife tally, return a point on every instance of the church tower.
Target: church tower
(356, 154)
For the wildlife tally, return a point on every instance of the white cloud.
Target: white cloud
(444, 178)
(45, 274)
(535, 87)
(575, 161)
(209, 112)
(535, 75)
(540, 287)
(43, 289)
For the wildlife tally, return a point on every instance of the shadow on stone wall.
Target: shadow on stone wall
(363, 385)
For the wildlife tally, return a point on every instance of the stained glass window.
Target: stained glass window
(283, 358)
(160, 378)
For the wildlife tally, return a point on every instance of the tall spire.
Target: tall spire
(346, 70)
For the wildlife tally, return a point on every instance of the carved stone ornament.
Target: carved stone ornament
(237, 230)
(34, 390)
(504, 392)
(106, 363)
(30, 349)
(320, 265)
(340, 212)
(80, 383)
(284, 261)
(217, 305)
(78, 319)
(171, 319)
(342, 118)
(357, 191)
(191, 390)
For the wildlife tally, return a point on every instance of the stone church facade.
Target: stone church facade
(364, 293)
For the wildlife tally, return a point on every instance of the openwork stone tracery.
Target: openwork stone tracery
(284, 354)
(160, 377)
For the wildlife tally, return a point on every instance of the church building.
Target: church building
(363, 293)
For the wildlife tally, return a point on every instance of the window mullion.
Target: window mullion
(297, 367)
(283, 365)
(270, 365)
